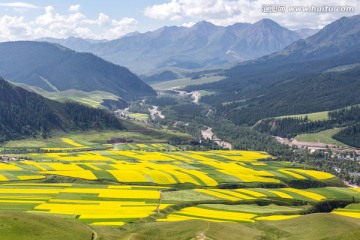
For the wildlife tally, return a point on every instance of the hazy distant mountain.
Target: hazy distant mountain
(72, 42)
(336, 38)
(306, 32)
(75, 43)
(26, 114)
(56, 68)
(201, 45)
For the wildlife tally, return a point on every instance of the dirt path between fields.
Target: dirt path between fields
(94, 235)
(201, 235)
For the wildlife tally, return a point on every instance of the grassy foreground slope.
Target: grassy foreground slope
(314, 226)
(26, 226)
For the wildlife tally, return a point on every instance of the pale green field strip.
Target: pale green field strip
(181, 83)
(323, 136)
(317, 116)
(310, 195)
(94, 138)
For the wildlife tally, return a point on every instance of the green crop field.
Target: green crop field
(93, 99)
(323, 136)
(317, 116)
(181, 83)
(98, 139)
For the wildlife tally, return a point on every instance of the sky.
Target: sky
(111, 19)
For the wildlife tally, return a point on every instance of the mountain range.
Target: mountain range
(53, 67)
(319, 73)
(199, 46)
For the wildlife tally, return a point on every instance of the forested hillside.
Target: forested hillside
(312, 93)
(25, 114)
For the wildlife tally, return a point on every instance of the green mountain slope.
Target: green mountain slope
(56, 68)
(24, 113)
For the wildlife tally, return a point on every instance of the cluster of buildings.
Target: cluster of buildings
(6, 159)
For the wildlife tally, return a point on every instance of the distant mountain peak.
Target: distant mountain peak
(204, 23)
(266, 22)
(204, 26)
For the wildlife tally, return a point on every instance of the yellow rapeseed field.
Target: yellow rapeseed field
(71, 142)
(315, 174)
(128, 175)
(209, 215)
(348, 213)
(251, 192)
(4, 167)
(3, 178)
(305, 193)
(289, 172)
(280, 194)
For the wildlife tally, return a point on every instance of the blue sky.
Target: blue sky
(110, 19)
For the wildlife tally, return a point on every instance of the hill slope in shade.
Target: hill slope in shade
(201, 45)
(25, 114)
(56, 68)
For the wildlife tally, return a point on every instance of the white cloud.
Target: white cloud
(226, 12)
(74, 8)
(18, 5)
(53, 24)
(103, 19)
(188, 24)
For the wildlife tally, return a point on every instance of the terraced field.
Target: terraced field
(210, 168)
(161, 184)
(87, 203)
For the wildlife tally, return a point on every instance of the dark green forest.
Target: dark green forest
(313, 93)
(349, 135)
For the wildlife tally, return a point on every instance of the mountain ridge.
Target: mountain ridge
(202, 45)
(54, 67)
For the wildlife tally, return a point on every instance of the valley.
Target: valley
(209, 129)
